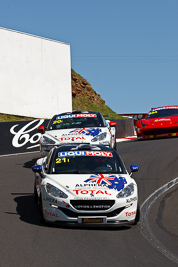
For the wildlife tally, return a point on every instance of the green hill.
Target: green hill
(83, 98)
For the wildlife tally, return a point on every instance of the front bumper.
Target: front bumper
(156, 134)
(122, 212)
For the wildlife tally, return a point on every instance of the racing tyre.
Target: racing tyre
(35, 193)
(115, 144)
(40, 207)
(137, 218)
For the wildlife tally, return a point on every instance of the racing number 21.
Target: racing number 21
(61, 160)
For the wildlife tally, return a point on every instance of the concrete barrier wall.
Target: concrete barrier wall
(35, 75)
(124, 128)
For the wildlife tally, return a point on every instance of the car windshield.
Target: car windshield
(87, 162)
(75, 121)
(157, 113)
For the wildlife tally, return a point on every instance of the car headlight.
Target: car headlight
(99, 137)
(54, 191)
(46, 140)
(127, 191)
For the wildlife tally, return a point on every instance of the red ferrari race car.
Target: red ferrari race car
(159, 122)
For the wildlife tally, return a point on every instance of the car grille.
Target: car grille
(73, 214)
(92, 204)
(160, 131)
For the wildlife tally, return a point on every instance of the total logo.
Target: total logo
(52, 214)
(85, 192)
(128, 214)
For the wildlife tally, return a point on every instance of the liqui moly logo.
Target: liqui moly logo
(22, 136)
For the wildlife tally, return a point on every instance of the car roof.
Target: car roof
(74, 147)
(166, 107)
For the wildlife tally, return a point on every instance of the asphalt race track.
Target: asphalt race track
(25, 241)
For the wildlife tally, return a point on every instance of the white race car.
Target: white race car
(85, 185)
(77, 127)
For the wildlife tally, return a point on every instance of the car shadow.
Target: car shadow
(30, 163)
(28, 211)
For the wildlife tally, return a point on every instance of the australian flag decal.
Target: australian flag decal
(87, 131)
(112, 181)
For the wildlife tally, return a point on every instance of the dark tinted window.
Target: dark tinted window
(162, 113)
(87, 162)
(76, 121)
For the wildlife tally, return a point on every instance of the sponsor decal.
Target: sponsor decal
(92, 206)
(71, 116)
(131, 199)
(130, 213)
(85, 192)
(85, 153)
(162, 120)
(153, 112)
(51, 200)
(86, 131)
(90, 185)
(173, 107)
(57, 121)
(89, 198)
(52, 214)
(22, 136)
(112, 181)
(73, 138)
(92, 220)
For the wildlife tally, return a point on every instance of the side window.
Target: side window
(48, 160)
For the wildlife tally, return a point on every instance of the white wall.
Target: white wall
(35, 75)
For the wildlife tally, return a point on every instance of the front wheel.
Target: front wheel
(35, 193)
(137, 218)
(40, 207)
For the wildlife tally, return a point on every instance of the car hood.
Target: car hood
(74, 135)
(161, 122)
(87, 186)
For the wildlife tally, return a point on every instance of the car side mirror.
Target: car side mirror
(133, 168)
(41, 129)
(37, 168)
(113, 123)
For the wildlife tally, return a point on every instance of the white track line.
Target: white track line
(145, 228)
(16, 154)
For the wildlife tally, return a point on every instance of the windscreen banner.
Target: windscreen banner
(20, 136)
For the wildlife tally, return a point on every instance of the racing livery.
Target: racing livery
(77, 127)
(85, 185)
(159, 122)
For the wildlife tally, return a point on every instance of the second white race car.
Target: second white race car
(77, 127)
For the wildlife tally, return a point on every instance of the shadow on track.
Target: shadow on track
(30, 163)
